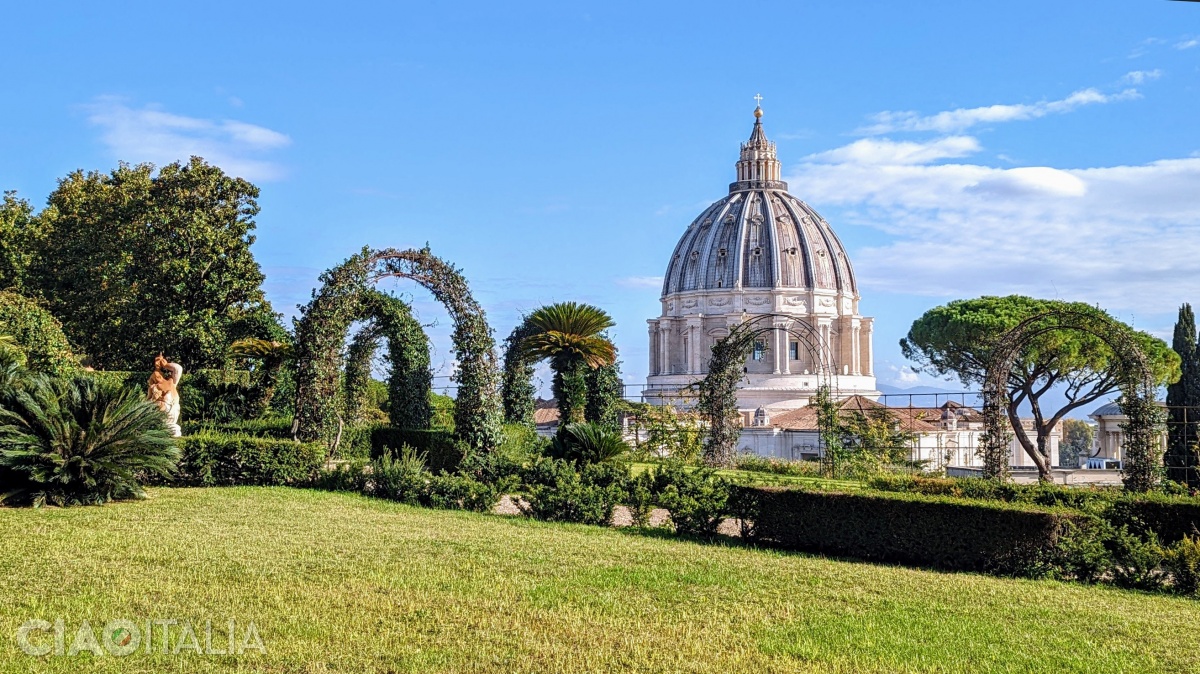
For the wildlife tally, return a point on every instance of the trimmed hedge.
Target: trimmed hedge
(215, 460)
(192, 383)
(1170, 517)
(442, 453)
(279, 428)
(939, 532)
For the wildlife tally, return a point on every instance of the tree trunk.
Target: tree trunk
(1033, 450)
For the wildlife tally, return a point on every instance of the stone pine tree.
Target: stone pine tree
(1183, 403)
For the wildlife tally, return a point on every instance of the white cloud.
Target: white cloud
(1122, 236)
(951, 121)
(1187, 44)
(641, 282)
(149, 134)
(1140, 76)
(884, 151)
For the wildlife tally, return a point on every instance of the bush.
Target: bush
(38, 334)
(556, 493)
(279, 428)
(213, 460)
(697, 500)
(762, 464)
(78, 441)
(1137, 562)
(1081, 551)
(1170, 517)
(1093, 499)
(585, 443)
(442, 452)
(1182, 562)
(639, 498)
(940, 532)
(401, 479)
(459, 492)
(348, 476)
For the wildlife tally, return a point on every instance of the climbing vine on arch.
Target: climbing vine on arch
(323, 325)
(409, 380)
(1135, 376)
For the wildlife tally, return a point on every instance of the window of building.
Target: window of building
(794, 351)
(760, 350)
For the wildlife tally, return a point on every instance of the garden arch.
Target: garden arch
(409, 382)
(1133, 372)
(323, 325)
(717, 399)
(517, 390)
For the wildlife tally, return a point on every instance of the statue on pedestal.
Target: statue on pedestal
(163, 391)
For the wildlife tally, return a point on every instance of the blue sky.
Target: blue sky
(557, 151)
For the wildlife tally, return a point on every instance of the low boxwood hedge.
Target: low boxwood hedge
(941, 532)
(442, 453)
(214, 460)
(1170, 517)
(279, 428)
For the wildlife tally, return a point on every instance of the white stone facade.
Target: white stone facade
(761, 253)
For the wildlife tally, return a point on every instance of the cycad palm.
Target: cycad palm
(80, 441)
(569, 334)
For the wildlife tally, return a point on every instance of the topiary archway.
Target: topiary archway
(410, 379)
(517, 390)
(321, 333)
(1137, 387)
(717, 392)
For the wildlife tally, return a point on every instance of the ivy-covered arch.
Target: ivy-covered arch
(322, 329)
(517, 389)
(717, 399)
(410, 379)
(1137, 385)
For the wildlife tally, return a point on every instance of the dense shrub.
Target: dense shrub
(459, 492)
(37, 333)
(213, 459)
(401, 478)
(639, 498)
(345, 476)
(1171, 518)
(1182, 562)
(279, 428)
(556, 492)
(442, 451)
(914, 529)
(698, 500)
(585, 443)
(77, 441)
(762, 464)
(1137, 561)
(1092, 499)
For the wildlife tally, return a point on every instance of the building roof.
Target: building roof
(545, 412)
(912, 419)
(759, 236)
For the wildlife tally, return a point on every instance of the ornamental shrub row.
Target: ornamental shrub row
(403, 477)
(215, 460)
(935, 531)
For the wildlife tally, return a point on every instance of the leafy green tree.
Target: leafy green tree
(135, 263)
(569, 335)
(605, 395)
(267, 358)
(1077, 441)
(957, 339)
(19, 232)
(1183, 403)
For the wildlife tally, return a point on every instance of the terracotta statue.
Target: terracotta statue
(163, 391)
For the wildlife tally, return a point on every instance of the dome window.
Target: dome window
(757, 251)
(721, 252)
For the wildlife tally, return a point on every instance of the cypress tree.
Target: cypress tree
(1183, 403)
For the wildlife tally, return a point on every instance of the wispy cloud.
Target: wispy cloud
(952, 121)
(884, 151)
(1116, 235)
(1187, 44)
(640, 282)
(1140, 76)
(150, 134)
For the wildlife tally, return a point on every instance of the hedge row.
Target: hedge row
(205, 379)
(215, 460)
(1170, 517)
(279, 428)
(940, 532)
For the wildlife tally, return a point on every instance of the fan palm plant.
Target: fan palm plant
(588, 443)
(79, 441)
(570, 335)
(273, 355)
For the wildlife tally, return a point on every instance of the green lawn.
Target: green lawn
(342, 583)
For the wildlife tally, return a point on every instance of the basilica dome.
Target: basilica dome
(759, 236)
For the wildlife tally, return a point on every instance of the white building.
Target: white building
(760, 252)
(1108, 444)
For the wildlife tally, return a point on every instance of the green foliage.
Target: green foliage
(718, 395)
(78, 441)
(442, 407)
(1183, 404)
(913, 529)
(344, 476)
(38, 334)
(136, 262)
(517, 389)
(697, 500)
(268, 358)
(640, 499)
(959, 339)
(571, 336)
(1182, 562)
(440, 450)
(670, 433)
(402, 478)
(279, 428)
(585, 443)
(1136, 560)
(211, 459)
(762, 464)
(605, 393)
(555, 492)
(344, 297)
(458, 492)
(1077, 441)
(19, 234)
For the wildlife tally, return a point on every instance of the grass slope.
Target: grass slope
(338, 582)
